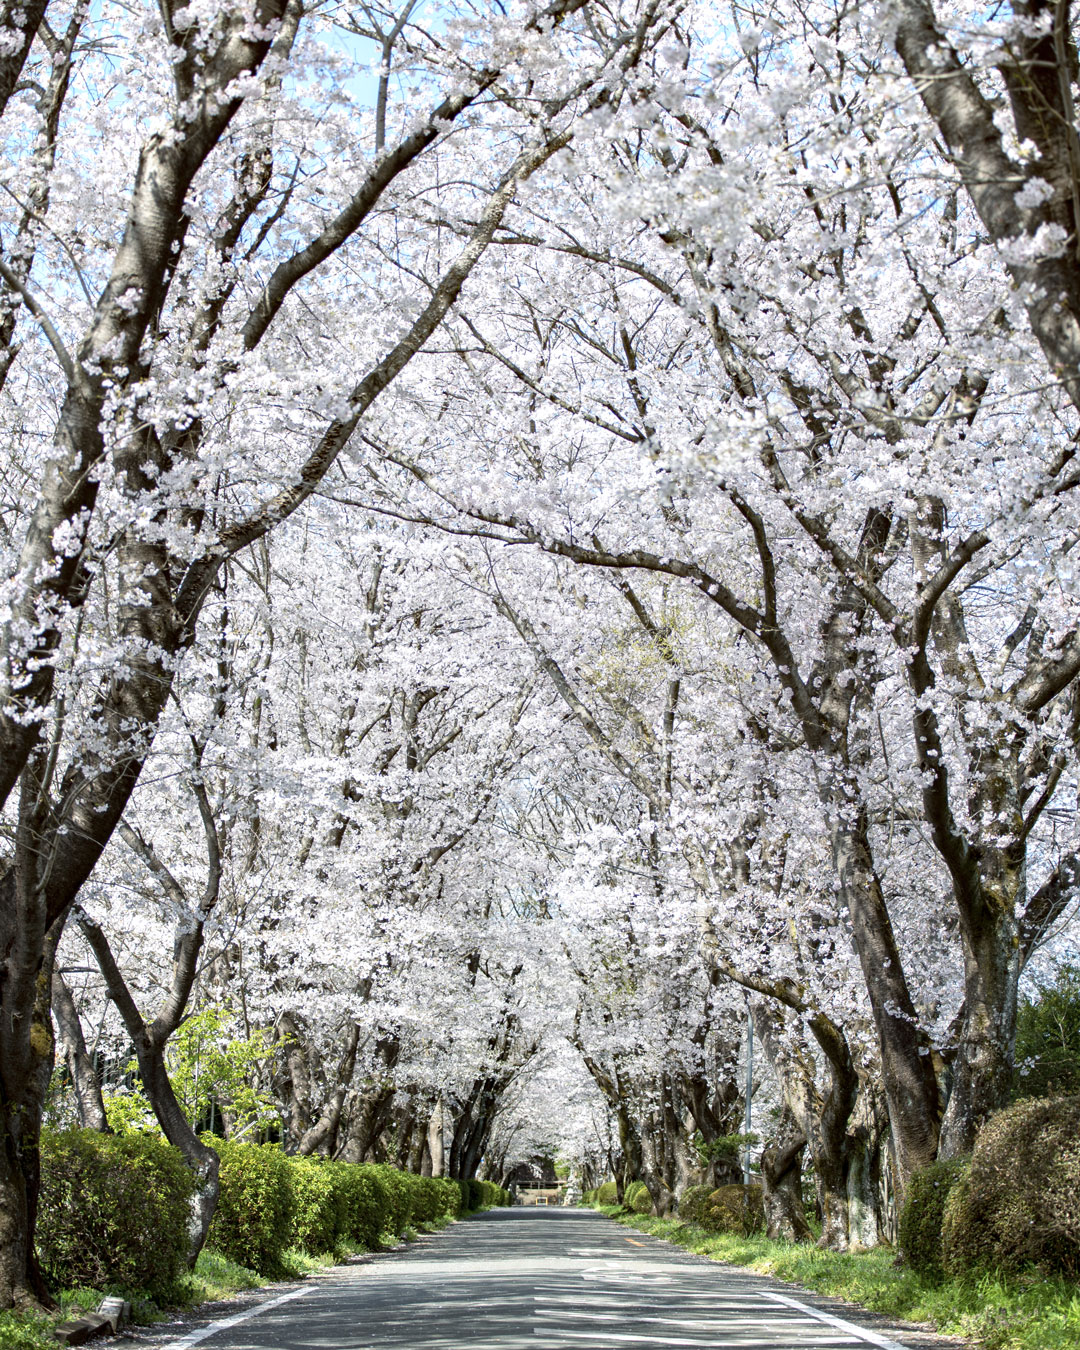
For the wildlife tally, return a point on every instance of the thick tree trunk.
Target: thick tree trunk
(781, 1177)
(630, 1144)
(907, 1067)
(26, 1061)
(821, 1118)
(983, 1067)
(368, 1119)
(26, 1058)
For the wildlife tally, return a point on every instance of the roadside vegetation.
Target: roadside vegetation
(115, 1213)
(989, 1244)
(1031, 1311)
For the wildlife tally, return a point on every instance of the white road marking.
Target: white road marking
(627, 1338)
(871, 1336)
(194, 1337)
(631, 1314)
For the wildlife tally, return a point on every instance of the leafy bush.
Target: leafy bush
(451, 1196)
(923, 1213)
(253, 1221)
(365, 1200)
(692, 1201)
(483, 1194)
(726, 1150)
(733, 1209)
(637, 1198)
(1018, 1204)
(429, 1198)
(399, 1211)
(25, 1331)
(318, 1206)
(607, 1193)
(114, 1211)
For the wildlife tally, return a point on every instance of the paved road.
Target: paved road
(545, 1279)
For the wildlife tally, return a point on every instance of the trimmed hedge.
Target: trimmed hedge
(733, 1209)
(1018, 1203)
(923, 1214)
(399, 1197)
(692, 1202)
(637, 1198)
(253, 1222)
(319, 1209)
(335, 1202)
(607, 1193)
(113, 1211)
(366, 1202)
(485, 1194)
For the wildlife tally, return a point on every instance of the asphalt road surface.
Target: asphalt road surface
(545, 1279)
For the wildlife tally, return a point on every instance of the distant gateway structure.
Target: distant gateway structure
(538, 1192)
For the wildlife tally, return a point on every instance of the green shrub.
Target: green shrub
(607, 1193)
(484, 1194)
(253, 1221)
(1018, 1204)
(923, 1213)
(692, 1201)
(399, 1210)
(450, 1193)
(428, 1198)
(637, 1197)
(114, 1211)
(318, 1206)
(733, 1209)
(365, 1200)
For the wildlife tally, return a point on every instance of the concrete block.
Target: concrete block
(117, 1310)
(82, 1329)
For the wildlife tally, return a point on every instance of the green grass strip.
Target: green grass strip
(1029, 1313)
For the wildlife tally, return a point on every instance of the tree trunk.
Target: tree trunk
(26, 1059)
(983, 1067)
(436, 1147)
(88, 1103)
(781, 1177)
(26, 1063)
(822, 1118)
(366, 1125)
(907, 1067)
(202, 1161)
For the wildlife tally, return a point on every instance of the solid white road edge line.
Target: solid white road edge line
(850, 1327)
(194, 1337)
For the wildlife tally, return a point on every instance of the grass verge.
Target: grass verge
(1033, 1313)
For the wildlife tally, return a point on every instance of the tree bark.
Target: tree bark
(88, 1103)
(781, 1177)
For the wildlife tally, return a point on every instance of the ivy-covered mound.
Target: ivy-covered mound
(725, 1209)
(923, 1214)
(1017, 1205)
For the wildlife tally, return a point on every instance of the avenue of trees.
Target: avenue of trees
(535, 535)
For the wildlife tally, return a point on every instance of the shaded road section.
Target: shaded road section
(543, 1279)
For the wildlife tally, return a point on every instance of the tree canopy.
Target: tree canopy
(538, 538)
